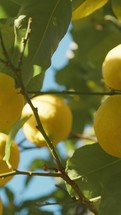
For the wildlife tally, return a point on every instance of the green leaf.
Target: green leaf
(76, 3)
(37, 80)
(6, 29)
(18, 2)
(111, 197)
(8, 9)
(7, 32)
(48, 28)
(9, 194)
(116, 6)
(11, 135)
(91, 167)
(87, 7)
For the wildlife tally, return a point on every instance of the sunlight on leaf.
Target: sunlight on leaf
(87, 7)
(116, 6)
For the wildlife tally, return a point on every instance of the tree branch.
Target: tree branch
(29, 173)
(81, 93)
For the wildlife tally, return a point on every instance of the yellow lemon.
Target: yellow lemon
(14, 158)
(11, 102)
(55, 116)
(107, 125)
(111, 68)
(1, 207)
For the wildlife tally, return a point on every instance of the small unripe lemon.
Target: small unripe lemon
(14, 158)
(107, 125)
(55, 116)
(1, 207)
(11, 102)
(111, 68)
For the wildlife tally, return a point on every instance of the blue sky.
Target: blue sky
(39, 185)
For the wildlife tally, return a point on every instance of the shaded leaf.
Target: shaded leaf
(76, 3)
(111, 196)
(91, 167)
(8, 8)
(87, 7)
(18, 2)
(9, 194)
(116, 6)
(7, 31)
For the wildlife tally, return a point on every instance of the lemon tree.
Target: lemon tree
(111, 68)
(55, 116)
(11, 102)
(85, 166)
(14, 158)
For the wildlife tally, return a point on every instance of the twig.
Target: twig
(47, 204)
(21, 142)
(83, 136)
(29, 173)
(24, 148)
(70, 92)
(23, 43)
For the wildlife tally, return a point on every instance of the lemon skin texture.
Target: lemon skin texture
(55, 116)
(14, 158)
(107, 125)
(11, 102)
(111, 68)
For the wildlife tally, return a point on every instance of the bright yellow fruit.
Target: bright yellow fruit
(11, 102)
(56, 118)
(14, 158)
(107, 125)
(111, 68)
(1, 207)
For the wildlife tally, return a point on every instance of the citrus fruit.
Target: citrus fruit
(11, 102)
(1, 207)
(111, 68)
(55, 116)
(107, 125)
(14, 158)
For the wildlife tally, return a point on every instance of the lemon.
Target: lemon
(14, 158)
(11, 102)
(1, 207)
(55, 116)
(107, 125)
(111, 68)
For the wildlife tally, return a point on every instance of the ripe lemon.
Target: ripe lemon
(107, 125)
(11, 102)
(55, 116)
(1, 207)
(111, 68)
(14, 158)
